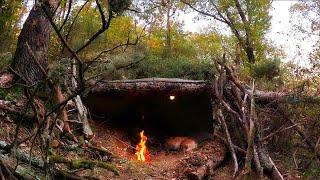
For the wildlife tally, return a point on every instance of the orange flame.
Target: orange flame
(142, 152)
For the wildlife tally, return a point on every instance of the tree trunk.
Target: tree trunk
(237, 59)
(30, 59)
(168, 30)
(250, 54)
(35, 33)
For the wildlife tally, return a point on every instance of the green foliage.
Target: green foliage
(11, 94)
(306, 115)
(58, 71)
(268, 69)
(118, 6)
(248, 20)
(191, 54)
(181, 67)
(313, 172)
(10, 12)
(89, 22)
(5, 60)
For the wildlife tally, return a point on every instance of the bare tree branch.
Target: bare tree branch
(67, 16)
(203, 12)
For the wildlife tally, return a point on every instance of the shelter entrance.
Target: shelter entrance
(163, 108)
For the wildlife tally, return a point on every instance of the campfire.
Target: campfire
(142, 153)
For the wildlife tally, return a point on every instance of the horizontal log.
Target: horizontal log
(173, 85)
(151, 85)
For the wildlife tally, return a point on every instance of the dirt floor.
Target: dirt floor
(164, 164)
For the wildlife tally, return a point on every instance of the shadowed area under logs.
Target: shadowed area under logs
(165, 107)
(175, 114)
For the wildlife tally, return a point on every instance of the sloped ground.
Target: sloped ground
(164, 165)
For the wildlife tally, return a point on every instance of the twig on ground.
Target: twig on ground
(277, 173)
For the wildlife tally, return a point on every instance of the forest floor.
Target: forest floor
(164, 164)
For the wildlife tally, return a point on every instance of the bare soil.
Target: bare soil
(164, 165)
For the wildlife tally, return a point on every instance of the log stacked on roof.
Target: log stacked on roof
(153, 85)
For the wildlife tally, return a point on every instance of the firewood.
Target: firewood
(202, 171)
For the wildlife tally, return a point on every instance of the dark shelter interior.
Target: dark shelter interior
(161, 107)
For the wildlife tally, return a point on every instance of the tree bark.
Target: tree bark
(30, 59)
(168, 30)
(35, 33)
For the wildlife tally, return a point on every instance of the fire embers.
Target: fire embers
(142, 154)
(180, 143)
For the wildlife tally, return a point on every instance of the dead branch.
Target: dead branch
(230, 144)
(67, 16)
(257, 162)
(114, 48)
(59, 96)
(317, 144)
(276, 172)
(82, 111)
(72, 164)
(105, 25)
(7, 170)
(74, 20)
(240, 95)
(304, 138)
(250, 132)
(64, 42)
(277, 131)
(237, 148)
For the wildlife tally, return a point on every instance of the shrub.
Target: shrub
(268, 69)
